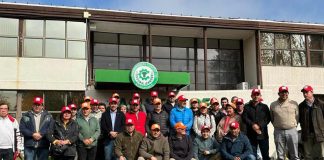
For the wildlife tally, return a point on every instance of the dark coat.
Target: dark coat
(239, 147)
(217, 116)
(106, 124)
(181, 149)
(316, 119)
(27, 128)
(161, 119)
(167, 106)
(57, 131)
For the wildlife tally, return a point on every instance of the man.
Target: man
(87, 99)
(224, 102)
(235, 145)
(138, 97)
(215, 110)
(158, 116)
(256, 117)
(9, 131)
(127, 143)
(112, 123)
(149, 107)
(138, 117)
(170, 103)
(205, 147)
(194, 106)
(74, 111)
(181, 113)
(311, 112)
(234, 99)
(89, 131)
(180, 144)
(155, 146)
(94, 103)
(34, 127)
(284, 118)
(102, 107)
(239, 106)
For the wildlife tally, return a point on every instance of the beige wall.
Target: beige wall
(42, 74)
(250, 68)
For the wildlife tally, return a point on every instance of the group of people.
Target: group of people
(204, 130)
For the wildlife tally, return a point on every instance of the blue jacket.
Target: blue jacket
(27, 128)
(240, 147)
(185, 116)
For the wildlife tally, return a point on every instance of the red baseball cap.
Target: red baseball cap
(94, 101)
(213, 100)
(307, 88)
(204, 128)
(135, 101)
(38, 100)
(65, 108)
(154, 94)
(234, 125)
(283, 89)
(73, 106)
(240, 101)
(136, 95)
(254, 91)
(129, 121)
(171, 94)
(182, 98)
(113, 99)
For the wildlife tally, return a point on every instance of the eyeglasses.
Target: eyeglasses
(85, 109)
(156, 130)
(157, 103)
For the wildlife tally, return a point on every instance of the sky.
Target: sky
(306, 11)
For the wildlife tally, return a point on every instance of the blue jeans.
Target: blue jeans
(31, 153)
(250, 157)
(109, 150)
(264, 148)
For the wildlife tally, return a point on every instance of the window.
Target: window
(9, 97)
(316, 48)
(9, 37)
(283, 49)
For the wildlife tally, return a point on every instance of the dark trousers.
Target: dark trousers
(264, 148)
(6, 154)
(64, 158)
(87, 153)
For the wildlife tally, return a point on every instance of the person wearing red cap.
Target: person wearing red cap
(170, 102)
(215, 110)
(205, 147)
(311, 119)
(204, 119)
(74, 110)
(138, 97)
(139, 117)
(128, 142)
(256, 117)
(112, 123)
(235, 145)
(95, 112)
(63, 134)
(194, 106)
(284, 118)
(149, 107)
(34, 126)
(181, 113)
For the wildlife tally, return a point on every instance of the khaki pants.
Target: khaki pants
(313, 149)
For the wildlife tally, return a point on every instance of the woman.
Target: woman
(63, 133)
(204, 119)
(223, 125)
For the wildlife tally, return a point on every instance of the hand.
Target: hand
(206, 152)
(237, 158)
(86, 141)
(153, 158)
(37, 136)
(122, 158)
(255, 127)
(113, 134)
(65, 142)
(90, 140)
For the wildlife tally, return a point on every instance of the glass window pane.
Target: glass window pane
(99, 37)
(283, 57)
(27, 99)
(8, 46)
(181, 53)
(267, 57)
(9, 97)
(213, 78)
(33, 47)
(131, 39)
(182, 42)
(182, 65)
(298, 42)
(54, 100)
(211, 43)
(105, 49)
(55, 48)
(299, 58)
(213, 54)
(55, 29)
(222, 77)
(282, 41)
(213, 66)
(267, 40)
(75, 98)
(200, 54)
(213, 87)
(130, 51)
(9, 26)
(160, 52)
(201, 67)
(201, 77)
(316, 58)
(192, 77)
(76, 49)
(232, 78)
(162, 64)
(127, 63)
(105, 62)
(315, 42)
(76, 30)
(230, 54)
(34, 28)
(160, 41)
(229, 44)
(200, 86)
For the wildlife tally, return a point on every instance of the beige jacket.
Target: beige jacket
(284, 115)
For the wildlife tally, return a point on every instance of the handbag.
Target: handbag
(58, 150)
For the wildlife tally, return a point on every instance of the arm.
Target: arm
(50, 132)
(18, 137)
(296, 111)
(195, 126)
(247, 148)
(264, 122)
(172, 155)
(215, 147)
(246, 118)
(225, 154)
(195, 149)
(24, 129)
(74, 137)
(271, 112)
(190, 151)
(213, 125)
(143, 150)
(104, 124)
(147, 123)
(172, 118)
(118, 146)
(97, 130)
(166, 150)
(190, 122)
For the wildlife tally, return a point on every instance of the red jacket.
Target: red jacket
(139, 122)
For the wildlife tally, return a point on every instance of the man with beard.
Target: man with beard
(170, 103)
(155, 146)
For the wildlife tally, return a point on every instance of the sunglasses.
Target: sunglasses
(157, 103)
(156, 130)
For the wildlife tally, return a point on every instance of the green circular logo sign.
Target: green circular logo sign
(144, 75)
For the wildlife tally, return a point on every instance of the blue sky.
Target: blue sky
(280, 10)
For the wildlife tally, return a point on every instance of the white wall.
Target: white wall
(250, 68)
(42, 74)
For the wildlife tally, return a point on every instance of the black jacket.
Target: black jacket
(57, 131)
(167, 106)
(181, 149)
(316, 119)
(161, 119)
(218, 116)
(106, 123)
(259, 114)
(27, 128)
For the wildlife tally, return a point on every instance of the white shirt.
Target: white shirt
(7, 139)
